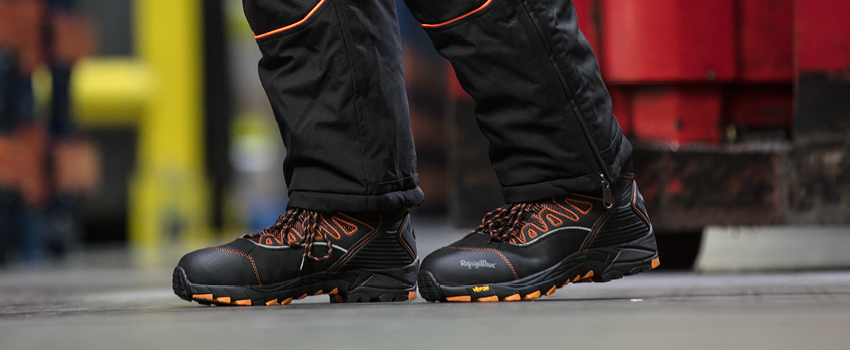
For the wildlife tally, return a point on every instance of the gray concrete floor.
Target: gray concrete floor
(109, 299)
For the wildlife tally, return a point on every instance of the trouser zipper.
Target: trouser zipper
(607, 196)
(598, 162)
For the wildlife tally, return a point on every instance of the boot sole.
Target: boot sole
(342, 287)
(593, 265)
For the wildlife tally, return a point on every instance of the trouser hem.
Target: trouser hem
(322, 201)
(590, 184)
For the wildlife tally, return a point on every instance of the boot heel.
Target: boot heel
(640, 255)
(381, 285)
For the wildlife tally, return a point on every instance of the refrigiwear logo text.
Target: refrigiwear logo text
(477, 264)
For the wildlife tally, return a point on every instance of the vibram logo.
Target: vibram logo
(477, 264)
(480, 289)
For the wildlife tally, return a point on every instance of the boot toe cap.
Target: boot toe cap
(217, 266)
(468, 266)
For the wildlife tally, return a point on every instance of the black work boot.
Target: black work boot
(524, 251)
(352, 257)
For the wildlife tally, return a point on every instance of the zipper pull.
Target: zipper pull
(607, 197)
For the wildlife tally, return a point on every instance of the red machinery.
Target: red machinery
(685, 70)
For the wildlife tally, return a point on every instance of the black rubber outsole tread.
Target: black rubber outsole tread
(344, 287)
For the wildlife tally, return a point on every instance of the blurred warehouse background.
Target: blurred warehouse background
(143, 122)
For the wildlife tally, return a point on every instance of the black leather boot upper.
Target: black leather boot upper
(302, 243)
(520, 240)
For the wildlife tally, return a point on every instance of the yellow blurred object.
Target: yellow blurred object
(111, 91)
(42, 90)
(169, 192)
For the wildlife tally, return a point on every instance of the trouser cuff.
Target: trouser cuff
(590, 184)
(319, 201)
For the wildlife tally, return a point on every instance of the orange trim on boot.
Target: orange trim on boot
(293, 25)
(470, 13)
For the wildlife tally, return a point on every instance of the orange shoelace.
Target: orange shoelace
(505, 222)
(286, 230)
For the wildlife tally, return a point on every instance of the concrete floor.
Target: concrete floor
(110, 299)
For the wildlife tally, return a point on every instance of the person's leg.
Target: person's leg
(336, 84)
(332, 70)
(555, 145)
(540, 99)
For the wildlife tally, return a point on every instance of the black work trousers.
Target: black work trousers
(332, 70)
